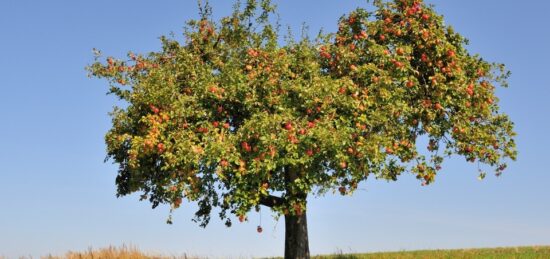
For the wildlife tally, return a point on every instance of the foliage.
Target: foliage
(231, 118)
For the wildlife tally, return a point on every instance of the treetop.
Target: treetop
(232, 118)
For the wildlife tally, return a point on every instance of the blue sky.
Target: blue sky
(56, 193)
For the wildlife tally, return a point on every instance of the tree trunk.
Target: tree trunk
(296, 240)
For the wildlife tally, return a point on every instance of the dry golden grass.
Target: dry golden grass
(130, 252)
(124, 252)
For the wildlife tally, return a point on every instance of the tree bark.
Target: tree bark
(296, 239)
(271, 201)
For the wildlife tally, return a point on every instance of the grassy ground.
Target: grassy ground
(124, 252)
(542, 252)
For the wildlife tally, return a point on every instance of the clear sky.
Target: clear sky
(56, 194)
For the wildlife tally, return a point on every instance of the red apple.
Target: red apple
(224, 163)
(325, 55)
(160, 147)
(398, 64)
(342, 190)
(246, 146)
(292, 138)
(148, 143)
(177, 202)
(400, 51)
(470, 91)
(450, 53)
(288, 126)
(426, 34)
(424, 57)
(252, 53)
(154, 109)
(343, 164)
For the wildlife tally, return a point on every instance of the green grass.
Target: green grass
(542, 252)
(129, 252)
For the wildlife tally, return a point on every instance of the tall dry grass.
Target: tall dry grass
(131, 252)
(123, 252)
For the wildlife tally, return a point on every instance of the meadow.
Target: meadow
(496, 253)
(128, 252)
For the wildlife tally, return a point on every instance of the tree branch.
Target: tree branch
(271, 201)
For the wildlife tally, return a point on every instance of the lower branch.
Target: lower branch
(271, 201)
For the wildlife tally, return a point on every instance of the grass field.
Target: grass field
(126, 252)
(542, 252)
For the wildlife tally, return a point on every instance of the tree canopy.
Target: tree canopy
(234, 116)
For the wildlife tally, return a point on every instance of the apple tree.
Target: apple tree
(233, 119)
